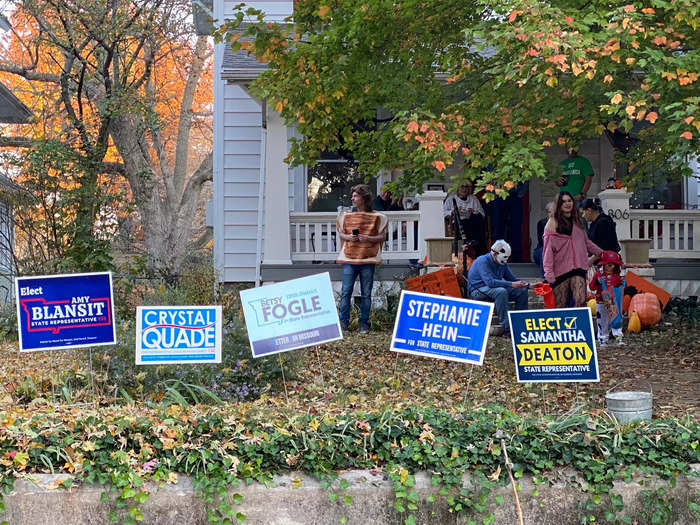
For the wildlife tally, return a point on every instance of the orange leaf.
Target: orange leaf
(688, 120)
(412, 126)
(439, 165)
(629, 8)
(687, 135)
(652, 116)
(617, 98)
(607, 79)
(323, 11)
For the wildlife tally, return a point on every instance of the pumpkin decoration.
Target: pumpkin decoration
(646, 305)
(591, 305)
(634, 324)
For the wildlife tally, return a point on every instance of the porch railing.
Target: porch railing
(673, 233)
(313, 236)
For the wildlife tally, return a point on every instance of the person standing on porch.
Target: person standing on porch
(361, 233)
(576, 174)
(472, 217)
(601, 228)
(565, 253)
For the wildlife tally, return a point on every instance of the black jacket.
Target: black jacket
(602, 232)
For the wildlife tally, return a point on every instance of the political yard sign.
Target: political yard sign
(443, 327)
(291, 314)
(553, 346)
(65, 311)
(167, 335)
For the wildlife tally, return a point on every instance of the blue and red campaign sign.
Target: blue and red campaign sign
(65, 311)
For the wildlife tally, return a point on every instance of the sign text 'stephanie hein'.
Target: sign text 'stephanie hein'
(443, 327)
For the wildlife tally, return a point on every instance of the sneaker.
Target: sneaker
(364, 329)
(619, 340)
(602, 342)
(344, 327)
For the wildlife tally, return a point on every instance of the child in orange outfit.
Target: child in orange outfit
(608, 285)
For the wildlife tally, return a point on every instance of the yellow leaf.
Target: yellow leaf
(576, 70)
(607, 79)
(172, 477)
(88, 446)
(314, 424)
(630, 110)
(496, 473)
(552, 81)
(296, 482)
(353, 399)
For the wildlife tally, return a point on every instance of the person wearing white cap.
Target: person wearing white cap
(490, 279)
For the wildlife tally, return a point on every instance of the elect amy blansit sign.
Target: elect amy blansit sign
(65, 311)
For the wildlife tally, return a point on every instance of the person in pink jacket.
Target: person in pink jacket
(565, 253)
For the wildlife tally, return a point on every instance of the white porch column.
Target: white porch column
(616, 204)
(277, 245)
(431, 223)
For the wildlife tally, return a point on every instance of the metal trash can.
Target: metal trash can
(627, 406)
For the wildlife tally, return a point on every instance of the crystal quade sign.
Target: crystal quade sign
(65, 311)
(291, 314)
(443, 327)
(167, 335)
(552, 346)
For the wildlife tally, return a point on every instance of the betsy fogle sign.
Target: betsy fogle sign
(291, 314)
(444, 327)
(65, 311)
(178, 334)
(554, 345)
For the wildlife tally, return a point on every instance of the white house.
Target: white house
(265, 228)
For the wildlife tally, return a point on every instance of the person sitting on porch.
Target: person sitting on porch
(471, 215)
(362, 234)
(490, 279)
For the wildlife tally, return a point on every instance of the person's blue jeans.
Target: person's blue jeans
(350, 273)
(500, 298)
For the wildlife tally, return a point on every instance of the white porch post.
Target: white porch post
(431, 223)
(616, 203)
(277, 245)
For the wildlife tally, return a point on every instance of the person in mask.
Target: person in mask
(490, 279)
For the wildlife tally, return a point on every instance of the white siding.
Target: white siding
(274, 10)
(237, 193)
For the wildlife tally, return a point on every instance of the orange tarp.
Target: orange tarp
(441, 282)
(642, 285)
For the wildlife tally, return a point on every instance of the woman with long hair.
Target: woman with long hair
(565, 253)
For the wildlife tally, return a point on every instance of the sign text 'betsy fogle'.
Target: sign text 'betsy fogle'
(289, 315)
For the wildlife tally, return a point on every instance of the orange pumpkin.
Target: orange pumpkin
(634, 325)
(646, 305)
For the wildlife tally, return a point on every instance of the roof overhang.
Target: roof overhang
(12, 110)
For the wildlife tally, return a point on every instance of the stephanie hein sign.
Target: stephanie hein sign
(290, 315)
(167, 335)
(442, 327)
(65, 311)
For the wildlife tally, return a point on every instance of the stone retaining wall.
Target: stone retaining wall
(297, 499)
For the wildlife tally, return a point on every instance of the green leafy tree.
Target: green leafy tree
(480, 85)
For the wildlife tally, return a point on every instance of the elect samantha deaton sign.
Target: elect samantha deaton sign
(291, 314)
(554, 345)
